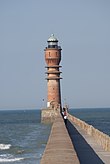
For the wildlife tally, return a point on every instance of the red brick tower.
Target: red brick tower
(53, 58)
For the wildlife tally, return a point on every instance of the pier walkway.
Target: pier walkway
(90, 144)
(59, 148)
(87, 149)
(75, 143)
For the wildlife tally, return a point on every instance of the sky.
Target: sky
(83, 30)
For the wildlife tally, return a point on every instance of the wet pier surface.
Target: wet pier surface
(88, 151)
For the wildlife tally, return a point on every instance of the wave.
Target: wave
(5, 146)
(8, 158)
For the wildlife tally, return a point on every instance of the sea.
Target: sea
(23, 137)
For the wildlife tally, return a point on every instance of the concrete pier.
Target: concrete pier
(91, 145)
(59, 149)
(75, 143)
(101, 138)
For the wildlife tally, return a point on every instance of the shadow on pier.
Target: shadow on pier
(84, 151)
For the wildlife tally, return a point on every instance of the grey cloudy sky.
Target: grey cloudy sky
(83, 30)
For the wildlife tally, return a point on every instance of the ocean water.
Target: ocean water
(98, 117)
(22, 136)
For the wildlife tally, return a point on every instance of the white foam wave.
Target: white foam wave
(10, 160)
(5, 146)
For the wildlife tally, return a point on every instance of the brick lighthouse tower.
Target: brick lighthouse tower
(52, 58)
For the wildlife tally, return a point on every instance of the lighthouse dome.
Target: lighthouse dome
(52, 38)
(52, 42)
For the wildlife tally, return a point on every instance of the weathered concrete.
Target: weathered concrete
(101, 138)
(87, 144)
(49, 115)
(59, 149)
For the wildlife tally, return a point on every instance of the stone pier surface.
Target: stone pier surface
(91, 145)
(59, 148)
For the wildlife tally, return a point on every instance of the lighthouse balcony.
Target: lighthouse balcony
(53, 78)
(53, 66)
(53, 47)
(53, 72)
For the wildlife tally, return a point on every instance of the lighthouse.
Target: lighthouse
(53, 58)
